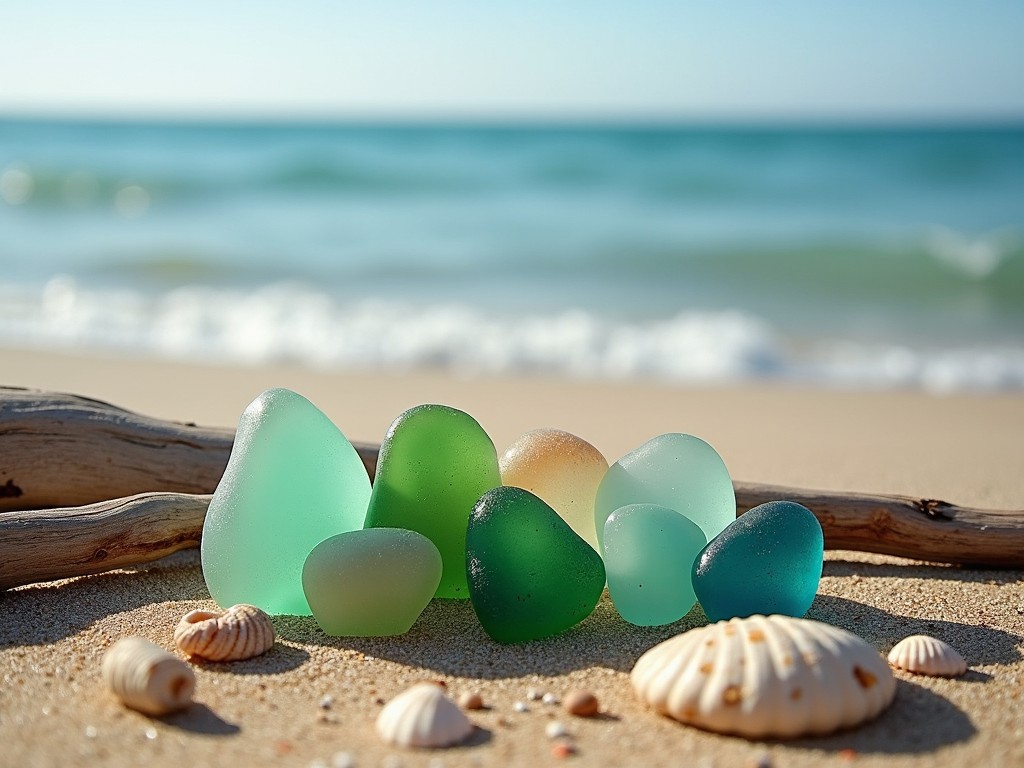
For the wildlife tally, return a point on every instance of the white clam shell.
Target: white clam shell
(241, 632)
(773, 676)
(146, 677)
(926, 655)
(423, 716)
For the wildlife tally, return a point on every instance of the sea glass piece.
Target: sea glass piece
(677, 471)
(530, 575)
(767, 561)
(371, 583)
(434, 463)
(292, 480)
(648, 555)
(560, 468)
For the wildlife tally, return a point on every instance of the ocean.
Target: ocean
(838, 257)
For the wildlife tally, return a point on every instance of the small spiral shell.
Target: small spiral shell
(146, 677)
(926, 655)
(241, 632)
(423, 716)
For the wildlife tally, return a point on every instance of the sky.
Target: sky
(830, 60)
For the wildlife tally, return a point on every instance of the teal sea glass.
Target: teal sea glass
(677, 471)
(530, 575)
(768, 561)
(370, 583)
(648, 555)
(434, 463)
(292, 480)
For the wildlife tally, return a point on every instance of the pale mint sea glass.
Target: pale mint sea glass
(370, 583)
(648, 556)
(677, 471)
(435, 462)
(292, 480)
(767, 561)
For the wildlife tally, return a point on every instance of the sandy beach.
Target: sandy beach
(966, 449)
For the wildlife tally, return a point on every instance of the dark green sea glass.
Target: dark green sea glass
(434, 463)
(766, 561)
(530, 575)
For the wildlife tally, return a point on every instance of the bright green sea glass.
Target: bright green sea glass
(530, 575)
(767, 561)
(562, 469)
(370, 583)
(648, 554)
(677, 471)
(292, 480)
(434, 463)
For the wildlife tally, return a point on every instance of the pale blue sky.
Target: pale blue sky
(795, 59)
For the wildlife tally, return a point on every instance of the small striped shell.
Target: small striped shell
(241, 632)
(926, 655)
(760, 676)
(146, 677)
(423, 716)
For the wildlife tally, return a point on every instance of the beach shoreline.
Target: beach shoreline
(268, 711)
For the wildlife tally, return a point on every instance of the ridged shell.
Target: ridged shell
(146, 677)
(926, 655)
(760, 676)
(423, 716)
(241, 632)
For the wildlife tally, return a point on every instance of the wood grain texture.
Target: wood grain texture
(76, 453)
(63, 450)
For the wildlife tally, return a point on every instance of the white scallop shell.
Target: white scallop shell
(926, 655)
(423, 716)
(765, 676)
(241, 632)
(146, 677)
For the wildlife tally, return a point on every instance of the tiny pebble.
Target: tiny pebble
(581, 704)
(471, 700)
(562, 750)
(848, 755)
(151, 733)
(327, 702)
(520, 706)
(533, 694)
(90, 731)
(555, 730)
(549, 698)
(343, 760)
(764, 760)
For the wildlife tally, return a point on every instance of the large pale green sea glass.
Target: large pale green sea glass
(677, 471)
(560, 468)
(292, 480)
(648, 554)
(372, 582)
(434, 463)
(767, 561)
(530, 575)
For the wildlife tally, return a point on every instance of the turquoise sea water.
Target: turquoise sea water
(869, 257)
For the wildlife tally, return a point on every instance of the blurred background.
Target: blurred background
(811, 192)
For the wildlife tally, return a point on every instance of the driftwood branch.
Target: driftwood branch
(68, 451)
(59, 450)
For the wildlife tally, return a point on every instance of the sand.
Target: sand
(314, 699)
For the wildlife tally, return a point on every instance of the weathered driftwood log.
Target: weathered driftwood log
(59, 450)
(64, 450)
(45, 544)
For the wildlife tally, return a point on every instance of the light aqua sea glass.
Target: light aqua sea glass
(530, 575)
(292, 480)
(767, 561)
(434, 463)
(648, 555)
(370, 583)
(677, 471)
